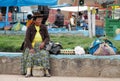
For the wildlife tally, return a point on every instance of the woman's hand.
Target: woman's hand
(31, 51)
(42, 45)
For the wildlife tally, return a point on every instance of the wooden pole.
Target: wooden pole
(89, 23)
(93, 22)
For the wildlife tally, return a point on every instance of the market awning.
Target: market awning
(74, 8)
(5, 3)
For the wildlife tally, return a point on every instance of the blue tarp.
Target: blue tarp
(27, 2)
(61, 5)
(117, 37)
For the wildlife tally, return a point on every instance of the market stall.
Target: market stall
(8, 3)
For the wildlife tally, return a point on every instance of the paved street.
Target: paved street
(53, 78)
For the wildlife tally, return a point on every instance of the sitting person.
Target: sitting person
(73, 21)
(29, 20)
(35, 40)
(59, 19)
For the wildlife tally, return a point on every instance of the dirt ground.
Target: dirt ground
(54, 78)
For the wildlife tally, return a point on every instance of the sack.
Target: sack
(53, 48)
(38, 71)
(96, 45)
(17, 26)
(79, 50)
(104, 49)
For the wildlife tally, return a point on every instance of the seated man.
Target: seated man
(59, 19)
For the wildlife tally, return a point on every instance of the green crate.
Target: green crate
(110, 30)
(111, 24)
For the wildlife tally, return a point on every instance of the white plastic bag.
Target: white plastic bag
(24, 28)
(79, 50)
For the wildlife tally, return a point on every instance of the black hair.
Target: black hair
(79, 13)
(35, 17)
(58, 10)
(29, 16)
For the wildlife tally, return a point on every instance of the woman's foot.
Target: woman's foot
(47, 74)
(27, 75)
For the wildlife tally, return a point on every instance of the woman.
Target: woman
(73, 21)
(36, 38)
(29, 20)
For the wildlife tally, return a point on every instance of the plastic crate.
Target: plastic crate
(99, 31)
(67, 51)
(110, 30)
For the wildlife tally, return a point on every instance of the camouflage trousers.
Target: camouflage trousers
(40, 58)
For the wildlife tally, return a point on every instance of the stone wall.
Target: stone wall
(85, 67)
(80, 66)
(10, 65)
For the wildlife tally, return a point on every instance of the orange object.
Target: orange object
(28, 23)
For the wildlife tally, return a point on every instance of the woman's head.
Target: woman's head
(37, 20)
